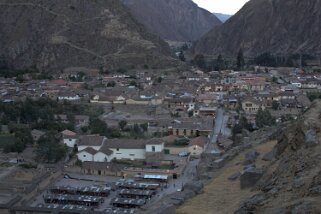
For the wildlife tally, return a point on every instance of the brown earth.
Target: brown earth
(222, 195)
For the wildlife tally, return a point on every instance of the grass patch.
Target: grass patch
(6, 140)
(28, 166)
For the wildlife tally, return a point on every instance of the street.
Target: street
(220, 127)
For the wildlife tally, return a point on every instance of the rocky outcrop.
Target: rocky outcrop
(54, 35)
(292, 181)
(277, 26)
(179, 20)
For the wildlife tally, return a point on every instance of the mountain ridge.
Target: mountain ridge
(179, 20)
(56, 35)
(276, 26)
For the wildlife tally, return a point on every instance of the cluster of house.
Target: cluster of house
(95, 148)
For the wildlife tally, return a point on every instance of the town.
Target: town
(118, 143)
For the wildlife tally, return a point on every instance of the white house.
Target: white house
(93, 141)
(69, 138)
(154, 145)
(121, 149)
(86, 154)
(68, 96)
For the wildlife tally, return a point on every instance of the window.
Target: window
(153, 148)
(131, 154)
(84, 156)
(248, 104)
(70, 139)
(117, 149)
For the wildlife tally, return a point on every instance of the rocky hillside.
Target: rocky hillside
(54, 35)
(277, 26)
(179, 20)
(292, 181)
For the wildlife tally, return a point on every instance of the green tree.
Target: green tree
(49, 149)
(98, 126)
(181, 56)
(111, 84)
(122, 124)
(264, 118)
(159, 79)
(275, 105)
(199, 61)
(220, 62)
(240, 60)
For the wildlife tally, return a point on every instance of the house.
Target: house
(101, 168)
(251, 106)
(93, 141)
(69, 138)
(119, 149)
(192, 127)
(68, 96)
(36, 134)
(86, 154)
(206, 111)
(81, 120)
(197, 146)
(61, 118)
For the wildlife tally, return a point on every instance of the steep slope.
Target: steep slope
(179, 20)
(222, 17)
(278, 26)
(54, 35)
(292, 182)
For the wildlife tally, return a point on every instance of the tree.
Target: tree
(264, 118)
(98, 126)
(181, 56)
(275, 105)
(133, 83)
(159, 79)
(199, 61)
(220, 62)
(111, 84)
(240, 60)
(122, 124)
(49, 149)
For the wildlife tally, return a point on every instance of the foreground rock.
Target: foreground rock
(292, 182)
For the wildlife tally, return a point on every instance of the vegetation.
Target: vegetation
(111, 84)
(49, 149)
(275, 105)
(122, 124)
(199, 61)
(313, 96)
(181, 56)
(243, 124)
(264, 118)
(240, 60)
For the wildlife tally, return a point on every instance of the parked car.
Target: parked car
(183, 154)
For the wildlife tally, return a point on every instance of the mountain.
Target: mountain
(276, 26)
(54, 35)
(179, 20)
(222, 17)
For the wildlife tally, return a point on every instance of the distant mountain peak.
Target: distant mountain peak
(175, 20)
(222, 17)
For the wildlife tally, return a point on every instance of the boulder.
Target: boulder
(311, 138)
(250, 157)
(250, 166)
(250, 177)
(195, 186)
(269, 156)
(234, 176)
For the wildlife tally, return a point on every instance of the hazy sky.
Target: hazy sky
(221, 6)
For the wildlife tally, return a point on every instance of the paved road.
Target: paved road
(220, 127)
